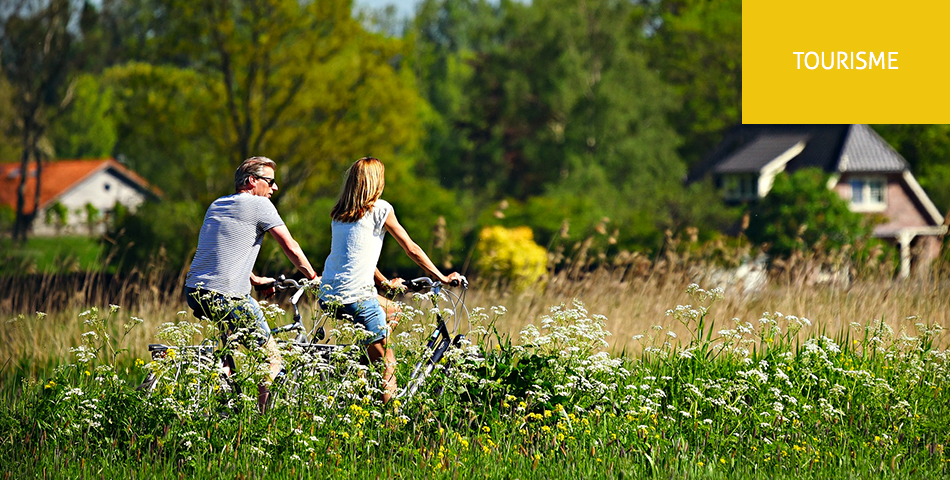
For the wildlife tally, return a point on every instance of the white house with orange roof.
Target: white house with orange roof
(80, 186)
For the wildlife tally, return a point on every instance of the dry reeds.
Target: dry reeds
(631, 290)
(634, 292)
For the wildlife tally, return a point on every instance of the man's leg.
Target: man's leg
(252, 312)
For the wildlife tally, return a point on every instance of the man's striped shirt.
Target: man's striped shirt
(229, 242)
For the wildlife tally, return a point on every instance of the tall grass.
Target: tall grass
(756, 398)
(632, 291)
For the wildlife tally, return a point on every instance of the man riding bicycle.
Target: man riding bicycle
(218, 285)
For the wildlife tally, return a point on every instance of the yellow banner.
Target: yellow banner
(845, 61)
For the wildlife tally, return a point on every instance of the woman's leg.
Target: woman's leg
(372, 315)
(392, 309)
(380, 351)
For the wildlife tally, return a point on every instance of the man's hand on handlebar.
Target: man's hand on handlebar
(264, 285)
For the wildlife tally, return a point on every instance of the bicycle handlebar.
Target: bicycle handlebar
(422, 283)
(414, 285)
(283, 283)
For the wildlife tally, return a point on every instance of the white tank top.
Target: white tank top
(354, 253)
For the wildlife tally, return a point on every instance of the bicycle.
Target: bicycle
(326, 367)
(441, 339)
(205, 370)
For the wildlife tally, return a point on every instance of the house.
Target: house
(74, 184)
(865, 170)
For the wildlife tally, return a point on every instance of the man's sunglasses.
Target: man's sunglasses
(270, 180)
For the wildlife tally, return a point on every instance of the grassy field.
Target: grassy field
(52, 255)
(649, 377)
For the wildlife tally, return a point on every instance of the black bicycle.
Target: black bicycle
(443, 338)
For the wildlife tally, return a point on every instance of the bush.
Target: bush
(511, 255)
(156, 232)
(801, 212)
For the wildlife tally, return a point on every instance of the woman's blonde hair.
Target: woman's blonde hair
(362, 187)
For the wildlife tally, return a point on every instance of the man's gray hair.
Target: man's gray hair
(253, 166)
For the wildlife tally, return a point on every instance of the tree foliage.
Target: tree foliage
(168, 130)
(35, 57)
(87, 128)
(696, 45)
(553, 104)
(300, 82)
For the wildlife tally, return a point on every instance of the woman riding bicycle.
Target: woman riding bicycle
(360, 221)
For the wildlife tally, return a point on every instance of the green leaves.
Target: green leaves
(801, 212)
(88, 128)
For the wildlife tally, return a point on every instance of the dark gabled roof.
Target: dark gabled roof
(832, 148)
(758, 153)
(866, 151)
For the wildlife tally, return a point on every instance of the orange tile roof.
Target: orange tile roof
(58, 177)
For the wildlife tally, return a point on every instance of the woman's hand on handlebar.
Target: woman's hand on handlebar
(454, 279)
(395, 285)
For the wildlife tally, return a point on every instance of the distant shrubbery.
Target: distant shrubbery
(801, 212)
(511, 256)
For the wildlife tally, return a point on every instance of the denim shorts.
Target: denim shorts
(238, 311)
(368, 313)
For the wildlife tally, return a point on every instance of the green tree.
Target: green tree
(36, 58)
(301, 82)
(552, 104)
(449, 38)
(168, 129)
(800, 212)
(88, 127)
(696, 45)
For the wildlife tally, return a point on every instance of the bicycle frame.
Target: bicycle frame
(440, 340)
(208, 355)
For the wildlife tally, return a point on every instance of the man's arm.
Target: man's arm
(256, 280)
(293, 251)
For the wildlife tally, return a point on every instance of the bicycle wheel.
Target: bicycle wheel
(314, 373)
(189, 379)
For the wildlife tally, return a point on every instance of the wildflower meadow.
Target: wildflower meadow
(771, 397)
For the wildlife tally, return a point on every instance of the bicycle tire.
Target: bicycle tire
(188, 379)
(290, 388)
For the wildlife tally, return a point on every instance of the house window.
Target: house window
(741, 186)
(868, 192)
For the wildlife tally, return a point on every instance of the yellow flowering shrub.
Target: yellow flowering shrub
(511, 254)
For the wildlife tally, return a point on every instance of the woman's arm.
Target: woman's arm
(380, 280)
(414, 251)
